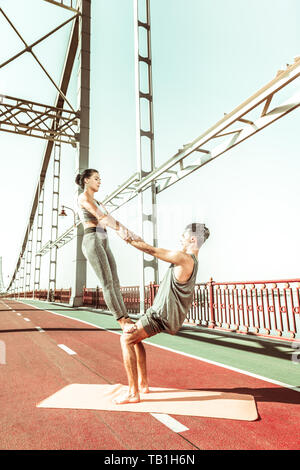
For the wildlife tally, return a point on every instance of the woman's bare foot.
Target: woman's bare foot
(143, 389)
(127, 397)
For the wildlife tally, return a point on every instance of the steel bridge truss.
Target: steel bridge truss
(252, 116)
(233, 129)
(71, 5)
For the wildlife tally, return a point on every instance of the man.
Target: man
(171, 305)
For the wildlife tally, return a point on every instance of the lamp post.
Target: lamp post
(63, 213)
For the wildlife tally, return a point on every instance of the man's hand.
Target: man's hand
(129, 328)
(127, 235)
(125, 323)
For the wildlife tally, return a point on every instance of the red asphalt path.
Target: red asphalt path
(36, 368)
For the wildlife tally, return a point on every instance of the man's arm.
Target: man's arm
(170, 256)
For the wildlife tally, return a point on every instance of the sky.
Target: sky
(208, 57)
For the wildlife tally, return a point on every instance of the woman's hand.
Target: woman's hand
(127, 235)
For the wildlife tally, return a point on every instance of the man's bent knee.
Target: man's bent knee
(129, 339)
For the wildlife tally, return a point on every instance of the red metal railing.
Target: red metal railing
(58, 295)
(263, 308)
(41, 294)
(62, 295)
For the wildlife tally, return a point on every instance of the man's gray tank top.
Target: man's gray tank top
(173, 300)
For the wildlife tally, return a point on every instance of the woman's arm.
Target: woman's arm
(105, 220)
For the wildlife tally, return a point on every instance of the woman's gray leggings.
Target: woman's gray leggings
(95, 248)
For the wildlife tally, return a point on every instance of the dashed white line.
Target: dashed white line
(19, 314)
(26, 319)
(170, 422)
(65, 348)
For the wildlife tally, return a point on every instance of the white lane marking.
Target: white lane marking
(224, 366)
(40, 329)
(170, 422)
(65, 348)
(26, 319)
(19, 314)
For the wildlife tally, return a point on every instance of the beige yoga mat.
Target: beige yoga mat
(159, 400)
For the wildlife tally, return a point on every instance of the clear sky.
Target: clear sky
(208, 57)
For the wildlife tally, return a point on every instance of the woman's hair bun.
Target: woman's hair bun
(78, 179)
(85, 174)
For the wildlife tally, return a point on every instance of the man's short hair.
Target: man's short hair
(200, 231)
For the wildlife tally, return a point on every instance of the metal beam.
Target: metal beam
(23, 117)
(29, 49)
(145, 137)
(39, 239)
(67, 4)
(122, 194)
(54, 216)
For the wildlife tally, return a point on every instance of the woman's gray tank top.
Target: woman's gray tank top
(86, 216)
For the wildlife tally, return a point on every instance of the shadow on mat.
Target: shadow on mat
(222, 395)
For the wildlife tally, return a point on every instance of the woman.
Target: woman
(95, 246)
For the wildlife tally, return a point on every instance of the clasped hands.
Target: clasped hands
(127, 325)
(129, 236)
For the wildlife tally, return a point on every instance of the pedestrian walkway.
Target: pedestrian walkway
(49, 346)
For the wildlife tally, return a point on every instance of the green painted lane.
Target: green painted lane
(274, 360)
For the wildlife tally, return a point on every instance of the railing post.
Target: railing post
(211, 323)
(97, 303)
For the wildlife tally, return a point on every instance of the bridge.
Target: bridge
(242, 334)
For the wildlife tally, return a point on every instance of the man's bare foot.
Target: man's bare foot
(127, 397)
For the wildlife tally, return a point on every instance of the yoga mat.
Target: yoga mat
(159, 400)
